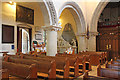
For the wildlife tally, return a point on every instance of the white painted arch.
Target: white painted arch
(93, 25)
(77, 14)
(80, 22)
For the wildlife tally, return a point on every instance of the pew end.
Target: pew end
(98, 70)
(52, 71)
(66, 69)
(106, 64)
(5, 74)
(33, 70)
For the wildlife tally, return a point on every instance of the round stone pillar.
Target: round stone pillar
(51, 37)
(92, 41)
(81, 42)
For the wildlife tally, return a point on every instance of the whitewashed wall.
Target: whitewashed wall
(0, 24)
(87, 6)
(9, 18)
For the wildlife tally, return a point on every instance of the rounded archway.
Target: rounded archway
(49, 12)
(77, 14)
(78, 22)
(106, 39)
(93, 25)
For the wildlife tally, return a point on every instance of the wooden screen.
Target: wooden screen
(108, 40)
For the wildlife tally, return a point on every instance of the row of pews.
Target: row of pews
(45, 67)
(94, 58)
(110, 72)
(67, 66)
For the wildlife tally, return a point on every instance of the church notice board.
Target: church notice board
(7, 34)
(24, 14)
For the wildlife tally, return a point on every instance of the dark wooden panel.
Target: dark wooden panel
(24, 14)
(108, 40)
(7, 34)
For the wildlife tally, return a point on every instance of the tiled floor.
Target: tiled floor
(93, 72)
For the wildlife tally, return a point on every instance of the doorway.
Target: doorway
(23, 39)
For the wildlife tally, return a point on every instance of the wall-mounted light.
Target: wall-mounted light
(12, 3)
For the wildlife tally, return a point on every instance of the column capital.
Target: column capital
(81, 34)
(51, 28)
(93, 33)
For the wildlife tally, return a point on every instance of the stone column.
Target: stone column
(92, 41)
(51, 39)
(81, 42)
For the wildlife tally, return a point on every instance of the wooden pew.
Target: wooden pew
(118, 60)
(73, 65)
(95, 57)
(61, 64)
(48, 68)
(115, 62)
(59, 60)
(107, 72)
(20, 70)
(83, 60)
(112, 66)
(5, 74)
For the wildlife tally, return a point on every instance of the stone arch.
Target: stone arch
(102, 4)
(93, 24)
(79, 20)
(77, 14)
(49, 12)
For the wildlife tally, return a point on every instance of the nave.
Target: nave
(62, 66)
(66, 39)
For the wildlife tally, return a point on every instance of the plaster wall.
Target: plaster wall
(0, 38)
(9, 18)
(87, 6)
(67, 17)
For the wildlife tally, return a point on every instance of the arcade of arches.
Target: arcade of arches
(72, 29)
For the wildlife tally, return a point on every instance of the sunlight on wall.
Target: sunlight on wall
(12, 7)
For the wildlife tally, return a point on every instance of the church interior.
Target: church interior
(60, 39)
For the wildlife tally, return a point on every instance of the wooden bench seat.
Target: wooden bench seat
(112, 66)
(96, 57)
(60, 63)
(115, 62)
(45, 67)
(5, 74)
(107, 72)
(30, 72)
(74, 65)
(82, 60)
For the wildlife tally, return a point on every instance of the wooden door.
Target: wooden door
(20, 41)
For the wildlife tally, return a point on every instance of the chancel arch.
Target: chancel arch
(71, 13)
